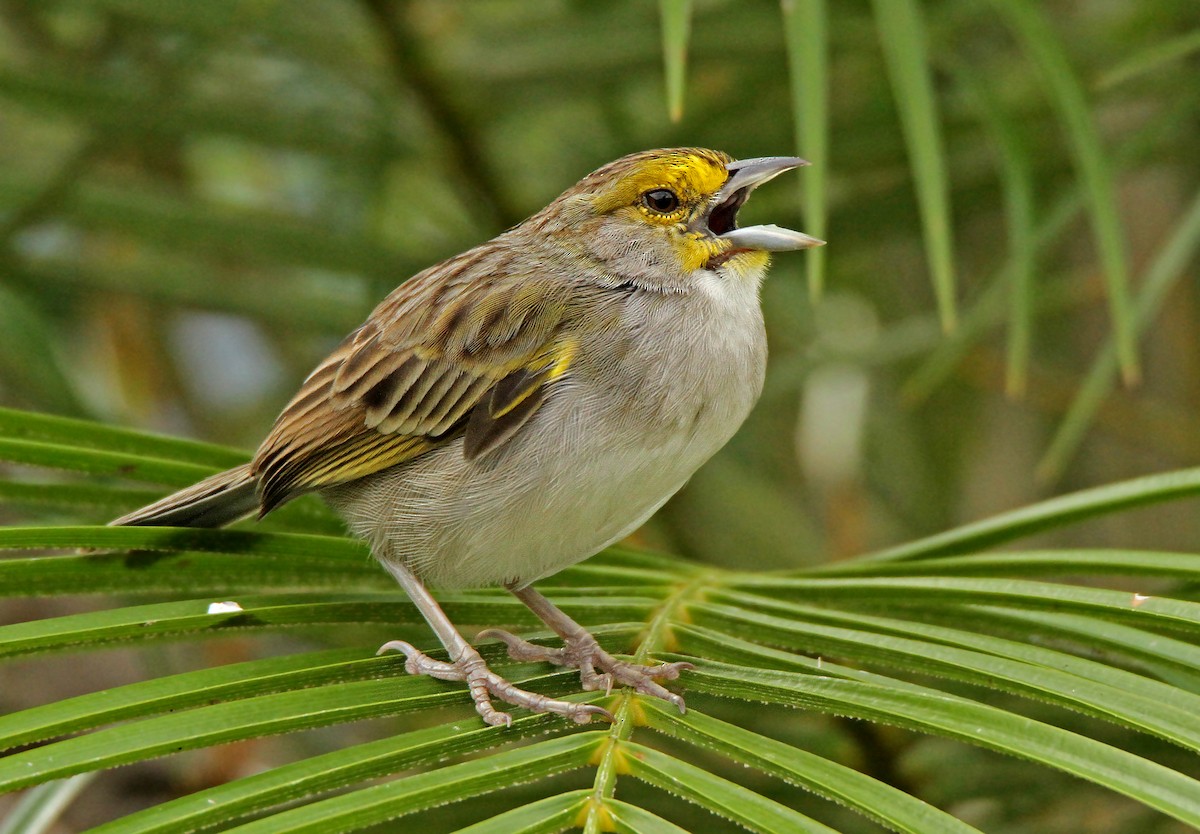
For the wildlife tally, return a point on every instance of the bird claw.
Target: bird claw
(584, 653)
(484, 684)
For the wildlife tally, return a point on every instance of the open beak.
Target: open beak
(744, 176)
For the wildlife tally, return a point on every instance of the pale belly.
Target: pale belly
(533, 507)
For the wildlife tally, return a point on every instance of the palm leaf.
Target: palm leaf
(925, 666)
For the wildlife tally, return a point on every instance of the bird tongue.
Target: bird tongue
(723, 218)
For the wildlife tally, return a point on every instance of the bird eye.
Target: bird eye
(661, 200)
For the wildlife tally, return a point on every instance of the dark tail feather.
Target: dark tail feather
(213, 502)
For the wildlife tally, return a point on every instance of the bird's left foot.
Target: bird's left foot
(484, 684)
(597, 668)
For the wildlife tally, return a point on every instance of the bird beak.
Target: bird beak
(744, 176)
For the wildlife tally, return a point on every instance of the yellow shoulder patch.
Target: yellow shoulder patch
(515, 398)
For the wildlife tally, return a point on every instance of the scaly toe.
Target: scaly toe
(668, 671)
(419, 663)
(642, 677)
(483, 679)
(520, 649)
(677, 700)
(492, 716)
(594, 681)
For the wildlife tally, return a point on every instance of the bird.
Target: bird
(519, 407)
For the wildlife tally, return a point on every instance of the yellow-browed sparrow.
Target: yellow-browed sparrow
(518, 407)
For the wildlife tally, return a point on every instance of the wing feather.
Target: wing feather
(457, 402)
(443, 356)
(485, 430)
(380, 396)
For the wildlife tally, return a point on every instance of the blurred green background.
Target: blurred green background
(198, 199)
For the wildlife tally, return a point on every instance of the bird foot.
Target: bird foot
(584, 653)
(484, 684)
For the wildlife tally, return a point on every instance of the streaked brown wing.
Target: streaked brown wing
(440, 357)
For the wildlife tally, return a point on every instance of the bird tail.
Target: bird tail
(214, 502)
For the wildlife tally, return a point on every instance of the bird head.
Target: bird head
(669, 213)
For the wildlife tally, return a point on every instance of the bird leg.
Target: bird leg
(467, 665)
(581, 651)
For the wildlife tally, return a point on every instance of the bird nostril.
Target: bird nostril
(723, 218)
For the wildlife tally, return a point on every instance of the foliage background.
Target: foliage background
(198, 199)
